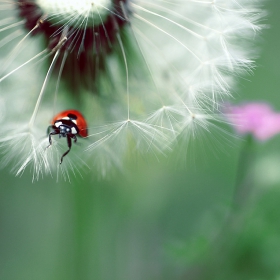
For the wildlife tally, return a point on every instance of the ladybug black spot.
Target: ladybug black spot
(72, 116)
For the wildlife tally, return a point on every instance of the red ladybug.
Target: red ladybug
(68, 124)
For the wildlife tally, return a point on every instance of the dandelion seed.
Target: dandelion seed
(144, 74)
(26, 150)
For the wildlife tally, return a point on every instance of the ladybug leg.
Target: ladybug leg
(49, 129)
(75, 140)
(50, 136)
(69, 142)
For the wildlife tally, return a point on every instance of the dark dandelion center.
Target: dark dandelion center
(84, 42)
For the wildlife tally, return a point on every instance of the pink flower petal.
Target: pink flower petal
(257, 118)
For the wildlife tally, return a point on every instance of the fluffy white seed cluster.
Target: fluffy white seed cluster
(163, 81)
(72, 11)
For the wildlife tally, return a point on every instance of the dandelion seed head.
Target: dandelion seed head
(93, 11)
(145, 74)
(86, 23)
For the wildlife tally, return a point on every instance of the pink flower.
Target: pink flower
(256, 118)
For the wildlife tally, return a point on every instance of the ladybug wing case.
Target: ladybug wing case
(80, 120)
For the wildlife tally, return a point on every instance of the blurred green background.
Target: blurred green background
(159, 221)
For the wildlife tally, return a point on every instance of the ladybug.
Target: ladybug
(69, 124)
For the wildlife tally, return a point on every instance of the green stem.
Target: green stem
(225, 240)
